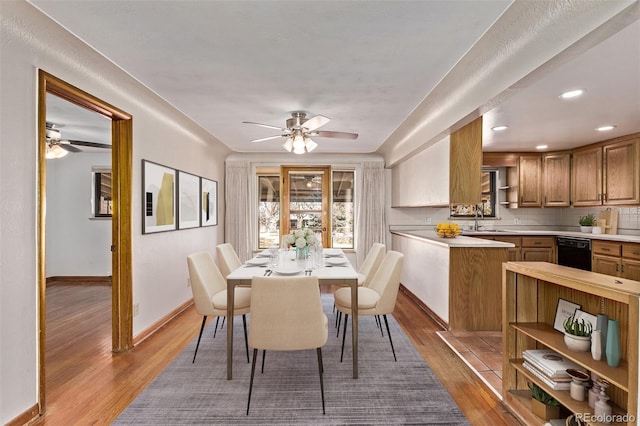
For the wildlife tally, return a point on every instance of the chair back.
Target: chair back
(286, 314)
(227, 258)
(386, 281)
(372, 262)
(206, 281)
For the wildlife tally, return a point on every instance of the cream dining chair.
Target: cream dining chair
(286, 315)
(379, 298)
(209, 290)
(227, 258)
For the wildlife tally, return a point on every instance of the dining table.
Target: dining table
(333, 269)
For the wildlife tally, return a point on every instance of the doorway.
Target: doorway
(121, 258)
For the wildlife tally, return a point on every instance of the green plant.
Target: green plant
(577, 328)
(539, 394)
(587, 220)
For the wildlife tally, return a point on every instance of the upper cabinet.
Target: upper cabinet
(530, 181)
(448, 172)
(607, 173)
(556, 179)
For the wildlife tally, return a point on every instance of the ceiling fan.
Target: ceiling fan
(58, 147)
(299, 130)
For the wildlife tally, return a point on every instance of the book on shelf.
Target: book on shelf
(550, 363)
(553, 384)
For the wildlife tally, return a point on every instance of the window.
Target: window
(268, 210)
(343, 209)
(102, 204)
(488, 206)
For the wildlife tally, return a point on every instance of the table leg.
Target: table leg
(230, 303)
(354, 326)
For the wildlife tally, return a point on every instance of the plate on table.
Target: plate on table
(287, 271)
(333, 261)
(332, 253)
(264, 254)
(258, 261)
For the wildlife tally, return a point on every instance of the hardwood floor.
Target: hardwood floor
(88, 384)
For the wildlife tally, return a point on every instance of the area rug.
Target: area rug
(288, 393)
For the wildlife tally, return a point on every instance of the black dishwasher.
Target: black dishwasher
(574, 252)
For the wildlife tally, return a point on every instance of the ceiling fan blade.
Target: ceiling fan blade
(269, 138)
(315, 122)
(268, 126)
(336, 135)
(89, 144)
(68, 147)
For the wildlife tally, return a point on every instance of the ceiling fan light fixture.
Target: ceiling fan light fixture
(54, 151)
(288, 144)
(298, 144)
(310, 145)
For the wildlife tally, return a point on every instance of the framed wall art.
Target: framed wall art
(188, 200)
(158, 198)
(209, 195)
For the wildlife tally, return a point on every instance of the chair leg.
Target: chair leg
(204, 321)
(344, 334)
(222, 325)
(264, 353)
(321, 371)
(253, 370)
(216, 329)
(390, 341)
(379, 324)
(338, 320)
(246, 342)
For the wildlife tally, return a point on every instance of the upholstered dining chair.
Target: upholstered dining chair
(227, 258)
(379, 298)
(286, 315)
(209, 290)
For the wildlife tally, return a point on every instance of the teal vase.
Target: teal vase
(613, 343)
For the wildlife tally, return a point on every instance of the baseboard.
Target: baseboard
(162, 322)
(79, 280)
(28, 416)
(442, 323)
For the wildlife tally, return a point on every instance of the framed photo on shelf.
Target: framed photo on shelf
(188, 200)
(209, 196)
(563, 311)
(158, 198)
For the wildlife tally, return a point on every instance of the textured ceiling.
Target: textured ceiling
(368, 65)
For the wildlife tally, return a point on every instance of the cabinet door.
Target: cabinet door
(537, 254)
(621, 173)
(465, 169)
(513, 253)
(556, 172)
(605, 265)
(530, 185)
(586, 177)
(630, 269)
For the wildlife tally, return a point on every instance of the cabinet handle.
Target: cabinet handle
(598, 197)
(537, 243)
(617, 267)
(604, 196)
(605, 249)
(622, 268)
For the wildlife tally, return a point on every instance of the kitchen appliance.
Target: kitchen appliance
(574, 252)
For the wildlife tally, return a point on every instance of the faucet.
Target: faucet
(476, 226)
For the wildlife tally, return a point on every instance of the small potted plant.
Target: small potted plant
(543, 405)
(586, 222)
(577, 334)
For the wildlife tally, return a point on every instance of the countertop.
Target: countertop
(458, 242)
(608, 237)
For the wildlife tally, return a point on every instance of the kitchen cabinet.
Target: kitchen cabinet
(513, 253)
(465, 164)
(530, 181)
(556, 176)
(617, 259)
(538, 249)
(531, 294)
(607, 173)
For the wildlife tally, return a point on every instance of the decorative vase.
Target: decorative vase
(302, 253)
(586, 229)
(577, 343)
(596, 345)
(602, 325)
(613, 343)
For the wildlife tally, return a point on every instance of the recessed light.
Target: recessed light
(542, 146)
(605, 128)
(499, 128)
(572, 94)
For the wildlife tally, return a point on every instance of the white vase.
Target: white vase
(577, 343)
(596, 345)
(586, 229)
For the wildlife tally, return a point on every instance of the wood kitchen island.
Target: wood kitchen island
(458, 280)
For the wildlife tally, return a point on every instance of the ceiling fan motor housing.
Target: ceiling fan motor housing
(297, 120)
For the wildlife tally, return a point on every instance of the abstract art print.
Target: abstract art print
(188, 200)
(158, 200)
(209, 202)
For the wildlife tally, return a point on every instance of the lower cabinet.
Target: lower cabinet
(616, 258)
(539, 249)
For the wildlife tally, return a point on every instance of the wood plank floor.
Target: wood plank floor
(88, 384)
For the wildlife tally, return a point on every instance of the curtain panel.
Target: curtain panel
(371, 223)
(236, 195)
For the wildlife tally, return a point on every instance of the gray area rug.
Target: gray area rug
(288, 393)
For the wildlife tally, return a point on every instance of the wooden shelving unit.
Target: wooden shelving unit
(531, 291)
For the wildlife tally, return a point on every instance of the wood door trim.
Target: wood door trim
(121, 154)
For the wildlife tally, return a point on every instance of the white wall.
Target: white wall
(29, 41)
(76, 244)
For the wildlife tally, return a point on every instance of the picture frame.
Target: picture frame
(158, 198)
(188, 200)
(587, 317)
(564, 310)
(209, 202)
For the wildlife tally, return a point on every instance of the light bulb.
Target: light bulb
(298, 144)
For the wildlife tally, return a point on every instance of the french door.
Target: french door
(306, 200)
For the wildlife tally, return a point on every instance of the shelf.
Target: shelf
(547, 335)
(563, 396)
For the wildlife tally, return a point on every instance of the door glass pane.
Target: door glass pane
(305, 205)
(268, 211)
(342, 211)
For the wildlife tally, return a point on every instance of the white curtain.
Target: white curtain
(371, 225)
(236, 195)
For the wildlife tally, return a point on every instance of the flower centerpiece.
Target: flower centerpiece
(301, 239)
(448, 229)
